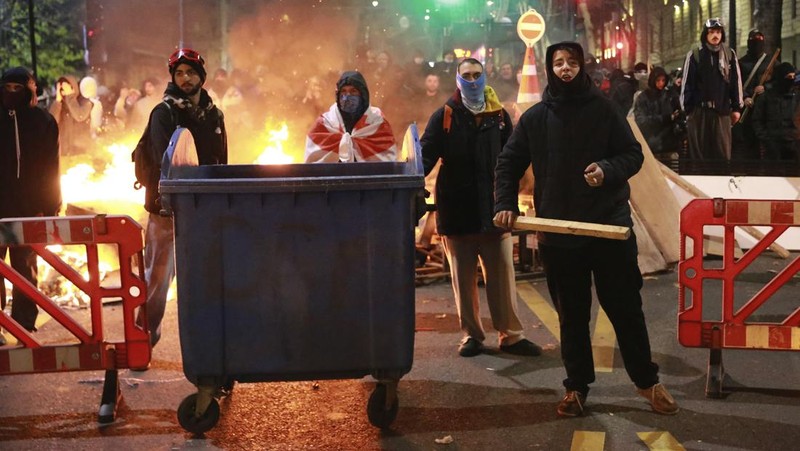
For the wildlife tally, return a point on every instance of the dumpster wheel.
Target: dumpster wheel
(189, 420)
(383, 405)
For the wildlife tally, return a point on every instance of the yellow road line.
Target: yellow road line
(588, 441)
(540, 307)
(604, 340)
(660, 440)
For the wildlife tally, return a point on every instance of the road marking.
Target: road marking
(541, 307)
(588, 441)
(660, 440)
(604, 341)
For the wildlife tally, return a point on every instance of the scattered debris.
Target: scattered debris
(549, 347)
(446, 440)
(442, 316)
(315, 385)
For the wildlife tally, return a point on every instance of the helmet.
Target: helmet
(190, 57)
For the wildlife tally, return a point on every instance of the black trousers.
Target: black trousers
(617, 281)
(23, 309)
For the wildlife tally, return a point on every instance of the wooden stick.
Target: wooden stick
(696, 192)
(573, 228)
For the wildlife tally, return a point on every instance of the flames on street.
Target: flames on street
(105, 185)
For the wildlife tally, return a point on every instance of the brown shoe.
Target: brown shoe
(572, 404)
(660, 399)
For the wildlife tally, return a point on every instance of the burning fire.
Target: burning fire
(273, 152)
(82, 183)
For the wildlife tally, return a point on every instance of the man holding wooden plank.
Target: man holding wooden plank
(583, 152)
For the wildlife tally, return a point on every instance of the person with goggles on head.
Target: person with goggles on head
(711, 94)
(185, 104)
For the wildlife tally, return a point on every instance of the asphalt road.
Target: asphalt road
(490, 402)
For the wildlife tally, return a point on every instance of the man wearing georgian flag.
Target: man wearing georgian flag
(351, 130)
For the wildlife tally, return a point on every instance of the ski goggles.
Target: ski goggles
(186, 54)
(715, 22)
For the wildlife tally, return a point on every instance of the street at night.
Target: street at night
(492, 401)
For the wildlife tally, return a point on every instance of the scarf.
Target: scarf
(724, 58)
(370, 140)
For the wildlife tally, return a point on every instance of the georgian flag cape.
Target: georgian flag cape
(371, 140)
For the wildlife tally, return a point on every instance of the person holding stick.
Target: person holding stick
(583, 152)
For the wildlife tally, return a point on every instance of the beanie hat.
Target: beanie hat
(22, 76)
(190, 57)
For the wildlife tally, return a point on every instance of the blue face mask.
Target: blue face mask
(349, 103)
(472, 90)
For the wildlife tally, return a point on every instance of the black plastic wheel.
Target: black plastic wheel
(193, 423)
(377, 413)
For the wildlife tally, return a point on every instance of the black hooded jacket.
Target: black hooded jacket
(206, 124)
(468, 150)
(574, 126)
(653, 114)
(30, 183)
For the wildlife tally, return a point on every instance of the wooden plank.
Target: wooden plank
(698, 193)
(573, 228)
(650, 258)
(657, 206)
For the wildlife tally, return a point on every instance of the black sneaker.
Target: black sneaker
(572, 404)
(523, 347)
(470, 347)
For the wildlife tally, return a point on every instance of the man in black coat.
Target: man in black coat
(711, 94)
(467, 134)
(656, 116)
(186, 104)
(583, 152)
(752, 64)
(30, 183)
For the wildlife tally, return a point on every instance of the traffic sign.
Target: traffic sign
(530, 27)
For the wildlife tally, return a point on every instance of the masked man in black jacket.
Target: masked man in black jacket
(30, 183)
(467, 134)
(583, 152)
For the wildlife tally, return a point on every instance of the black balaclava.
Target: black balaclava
(755, 46)
(20, 99)
(356, 80)
(779, 80)
(558, 88)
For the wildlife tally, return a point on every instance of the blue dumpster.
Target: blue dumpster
(294, 272)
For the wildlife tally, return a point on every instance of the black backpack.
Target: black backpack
(148, 171)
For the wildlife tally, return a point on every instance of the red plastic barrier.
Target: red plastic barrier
(733, 329)
(92, 352)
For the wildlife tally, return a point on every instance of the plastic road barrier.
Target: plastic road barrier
(294, 272)
(92, 351)
(737, 325)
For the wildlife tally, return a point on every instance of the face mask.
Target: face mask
(472, 90)
(15, 100)
(349, 103)
(640, 75)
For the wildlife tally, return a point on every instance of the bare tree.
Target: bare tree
(767, 19)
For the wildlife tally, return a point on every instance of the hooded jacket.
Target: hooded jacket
(30, 183)
(72, 114)
(653, 113)
(206, 123)
(573, 126)
(363, 135)
(705, 80)
(468, 149)
(776, 111)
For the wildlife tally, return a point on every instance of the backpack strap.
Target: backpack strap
(448, 118)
